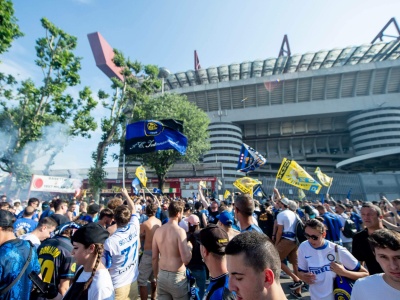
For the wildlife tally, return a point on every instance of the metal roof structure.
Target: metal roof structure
(323, 59)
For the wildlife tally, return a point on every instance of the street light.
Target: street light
(163, 73)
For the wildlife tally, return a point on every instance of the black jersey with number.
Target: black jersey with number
(56, 260)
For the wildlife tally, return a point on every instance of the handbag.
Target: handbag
(342, 286)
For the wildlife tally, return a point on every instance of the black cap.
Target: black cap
(7, 219)
(214, 239)
(93, 209)
(92, 233)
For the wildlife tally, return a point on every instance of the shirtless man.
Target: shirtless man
(147, 230)
(171, 252)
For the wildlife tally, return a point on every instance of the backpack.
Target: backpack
(299, 231)
(349, 229)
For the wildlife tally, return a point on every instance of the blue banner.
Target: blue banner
(150, 136)
(258, 191)
(249, 159)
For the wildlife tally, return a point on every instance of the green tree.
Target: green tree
(133, 91)
(9, 29)
(26, 110)
(195, 127)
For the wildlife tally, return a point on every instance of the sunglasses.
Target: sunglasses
(313, 237)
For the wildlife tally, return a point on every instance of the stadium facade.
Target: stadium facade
(336, 109)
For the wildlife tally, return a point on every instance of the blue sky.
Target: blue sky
(166, 32)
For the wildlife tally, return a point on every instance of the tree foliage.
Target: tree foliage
(195, 127)
(28, 109)
(138, 83)
(9, 29)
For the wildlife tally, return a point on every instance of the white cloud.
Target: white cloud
(18, 70)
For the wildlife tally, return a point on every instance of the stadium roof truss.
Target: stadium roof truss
(323, 59)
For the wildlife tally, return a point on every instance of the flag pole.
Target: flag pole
(123, 172)
(329, 187)
(148, 191)
(273, 191)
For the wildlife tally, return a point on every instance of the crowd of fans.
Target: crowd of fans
(238, 248)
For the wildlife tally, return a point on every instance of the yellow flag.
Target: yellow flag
(301, 194)
(141, 175)
(227, 194)
(246, 184)
(323, 178)
(291, 173)
(84, 194)
(202, 184)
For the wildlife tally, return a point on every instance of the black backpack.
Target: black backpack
(349, 229)
(299, 231)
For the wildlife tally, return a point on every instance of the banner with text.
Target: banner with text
(41, 183)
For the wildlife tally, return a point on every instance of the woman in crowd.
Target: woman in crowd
(317, 261)
(92, 280)
(196, 264)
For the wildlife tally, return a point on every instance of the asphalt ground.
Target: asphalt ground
(285, 285)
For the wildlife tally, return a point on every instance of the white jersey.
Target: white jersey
(31, 237)
(121, 253)
(317, 261)
(101, 287)
(288, 219)
(374, 287)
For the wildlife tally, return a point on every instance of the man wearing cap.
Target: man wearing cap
(170, 253)
(244, 209)
(225, 221)
(57, 263)
(14, 253)
(92, 211)
(285, 242)
(60, 208)
(254, 266)
(213, 241)
(47, 210)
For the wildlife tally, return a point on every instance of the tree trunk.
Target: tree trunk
(99, 165)
(161, 179)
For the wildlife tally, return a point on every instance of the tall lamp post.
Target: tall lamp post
(163, 73)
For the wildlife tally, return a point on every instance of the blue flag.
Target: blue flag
(258, 191)
(249, 159)
(150, 136)
(135, 184)
(157, 191)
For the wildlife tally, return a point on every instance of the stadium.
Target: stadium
(335, 109)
